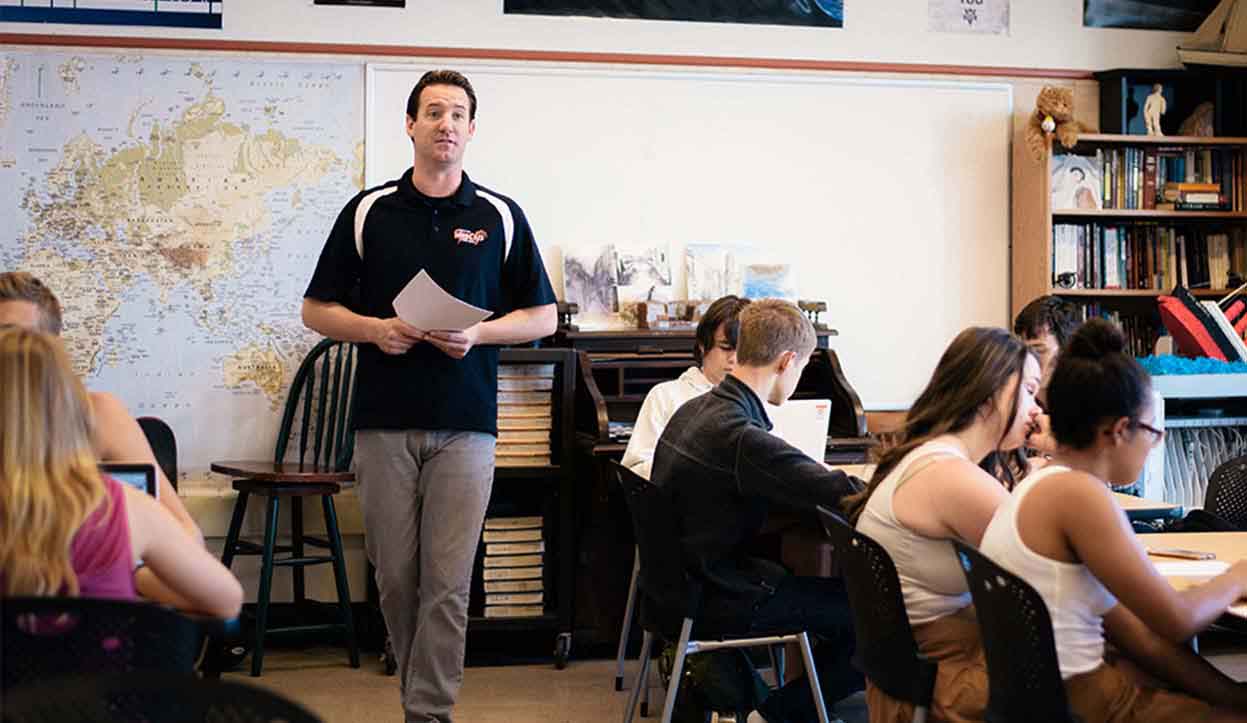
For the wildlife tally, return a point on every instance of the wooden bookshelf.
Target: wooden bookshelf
(1034, 220)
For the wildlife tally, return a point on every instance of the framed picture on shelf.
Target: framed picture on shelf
(1077, 182)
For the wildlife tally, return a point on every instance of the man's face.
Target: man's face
(1045, 348)
(442, 130)
(720, 359)
(20, 313)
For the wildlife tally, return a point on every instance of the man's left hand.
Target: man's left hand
(455, 344)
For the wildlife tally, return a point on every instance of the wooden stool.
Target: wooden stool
(276, 481)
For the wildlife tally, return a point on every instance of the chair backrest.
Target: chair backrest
(320, 407)
(53, 636)
(886, 650)
(149, 697)
(164, 445)
(1227, 492)
(663, 578)
(1024, 679)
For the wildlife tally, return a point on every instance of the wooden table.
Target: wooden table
(1138, 508)
(1229, 547)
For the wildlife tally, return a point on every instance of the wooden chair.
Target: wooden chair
(318, 413)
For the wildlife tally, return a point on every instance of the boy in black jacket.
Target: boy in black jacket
(724, 472)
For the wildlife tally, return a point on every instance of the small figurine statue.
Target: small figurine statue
(1153, 108)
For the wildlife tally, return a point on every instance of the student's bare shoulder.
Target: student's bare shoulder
(107, 406)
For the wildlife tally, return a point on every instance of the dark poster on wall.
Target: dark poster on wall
(820, 13)
(1180, 15)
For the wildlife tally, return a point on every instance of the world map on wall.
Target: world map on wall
(177, 207)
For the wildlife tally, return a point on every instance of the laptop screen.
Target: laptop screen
(803, 424)
(142, 477)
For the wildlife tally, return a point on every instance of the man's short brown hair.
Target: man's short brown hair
(21, 286)
(441, 77)
(770, 327)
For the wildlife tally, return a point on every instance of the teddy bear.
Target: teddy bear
(1054, 112)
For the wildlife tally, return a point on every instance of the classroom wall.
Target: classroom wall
(1044, 33)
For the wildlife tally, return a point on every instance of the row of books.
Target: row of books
(1141, 330)
(525, 404)
(1146, 256)
(513, 574)
(1158, 177)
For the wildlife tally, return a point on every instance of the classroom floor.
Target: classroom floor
(320, 679)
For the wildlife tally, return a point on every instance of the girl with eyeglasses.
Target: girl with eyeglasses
(1064, 534)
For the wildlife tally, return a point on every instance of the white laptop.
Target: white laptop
(803, 423)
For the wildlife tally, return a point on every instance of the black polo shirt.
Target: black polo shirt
(459, 240)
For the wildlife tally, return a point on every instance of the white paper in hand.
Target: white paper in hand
(428, 307)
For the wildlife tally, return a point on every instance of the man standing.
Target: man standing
(426, 414)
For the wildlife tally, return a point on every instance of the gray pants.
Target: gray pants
(423, 495)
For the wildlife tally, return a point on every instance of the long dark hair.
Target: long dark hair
(974, 368)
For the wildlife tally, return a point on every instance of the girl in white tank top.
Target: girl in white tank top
(1063, 532)
(929, 489)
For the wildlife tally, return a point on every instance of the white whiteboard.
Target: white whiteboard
(891, 197)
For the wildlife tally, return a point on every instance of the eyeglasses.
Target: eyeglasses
(1158, 433)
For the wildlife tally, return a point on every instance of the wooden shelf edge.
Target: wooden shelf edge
(1143, 213)
(1056, 291)
(1162, 140)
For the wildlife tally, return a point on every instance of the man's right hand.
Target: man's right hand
(395, 336)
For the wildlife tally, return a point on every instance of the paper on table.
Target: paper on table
(428, 307)
(1191, 568)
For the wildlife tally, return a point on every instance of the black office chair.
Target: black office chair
(670, 599)
(54, 636)
(164, 445)
(1227, 492)
(1024, 678)
(886, 650)
(151, 698)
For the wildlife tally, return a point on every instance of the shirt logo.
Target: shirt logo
(464, 236)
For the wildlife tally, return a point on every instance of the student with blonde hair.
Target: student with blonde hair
(66, 529)
(929, 488)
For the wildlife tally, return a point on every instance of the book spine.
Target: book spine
(1149, 179)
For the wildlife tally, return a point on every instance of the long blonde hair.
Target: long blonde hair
(49, 479)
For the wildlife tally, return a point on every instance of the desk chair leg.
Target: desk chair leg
(266, 587)
(339, 577)
(296, 549)
(677, 671)
(777, 663)
(627, 623)
(645, 686)
(642, 681)
(235, 528)
(811, 672)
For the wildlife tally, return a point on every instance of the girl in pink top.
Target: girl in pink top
(65, 529)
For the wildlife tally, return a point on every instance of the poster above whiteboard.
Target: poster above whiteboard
(989, 17)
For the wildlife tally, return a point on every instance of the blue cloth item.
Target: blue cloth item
(1169, 364)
